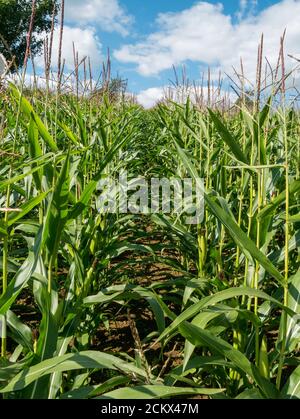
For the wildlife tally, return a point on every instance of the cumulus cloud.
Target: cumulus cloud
(83, 21)
(87, 44)
(206, 35)
(109, 15)
(149, 97)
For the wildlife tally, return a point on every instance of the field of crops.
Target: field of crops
(123, 305)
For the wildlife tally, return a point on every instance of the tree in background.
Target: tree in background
(14, 22)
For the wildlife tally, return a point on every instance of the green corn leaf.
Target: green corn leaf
(250, 394)
(69, 133)
(92, 185)
(25, 209)
(228, 138)
(292, 388)
(28, 110)
(243, 241)
(70, 362)
(17, 178)
(57, 214)
(89, 392)
(202, 337)
(295, 218)
(20, 280)
(3, 230)
(33, 137)
(264, 359)
(280, 199)
(216, 298)
(35, 151)
(156, 392)
(293, 322)
(46, 347)
(20, 332)
(246, 245)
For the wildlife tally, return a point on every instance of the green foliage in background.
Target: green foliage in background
(14, 23)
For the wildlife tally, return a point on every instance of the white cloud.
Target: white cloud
(83, 19)
(108, 14)
(86, 43)
(242, 10)
(246, 8)
(204, 34)
(150, 97)
(31, 80)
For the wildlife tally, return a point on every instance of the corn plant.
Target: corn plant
(230, 303)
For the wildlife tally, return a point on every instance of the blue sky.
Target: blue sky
(145, 13)
(147, 37)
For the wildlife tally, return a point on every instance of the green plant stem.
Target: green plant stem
(4, 289)
(286, 258)
(237, 260)
(248, 233)
(257, 268)
(50, 275)
(5, 277)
